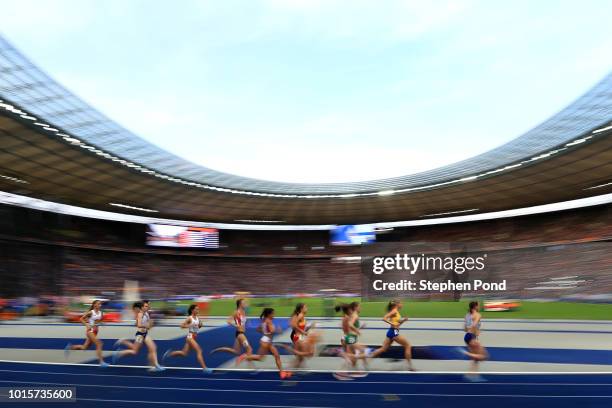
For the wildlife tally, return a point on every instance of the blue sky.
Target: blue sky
(319, 90)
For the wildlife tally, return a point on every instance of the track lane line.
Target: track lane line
(248, 370)
(203, 378)
(308, 392)
(198, 403)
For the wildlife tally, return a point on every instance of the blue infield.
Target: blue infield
(132, 386)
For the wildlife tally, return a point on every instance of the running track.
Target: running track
(125, 386)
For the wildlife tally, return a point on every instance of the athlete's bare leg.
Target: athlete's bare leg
(385, 346)
(183, 352)
(152, 351)
(401, 340)
(83, 346)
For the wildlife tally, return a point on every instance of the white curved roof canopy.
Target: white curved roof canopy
(24, 84)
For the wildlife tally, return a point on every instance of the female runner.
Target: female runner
(299, 332)
(352, 350)
(394, 319)
(476, 351)
(90, 319)
(302, 336)
(349, 338)
(238, 319)
(268, 330)
(193, 324)
(358, 348)
(143, 325)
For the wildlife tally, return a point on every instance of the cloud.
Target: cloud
(330, 148)
(303, 163)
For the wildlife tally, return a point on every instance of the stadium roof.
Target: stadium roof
(55, 146)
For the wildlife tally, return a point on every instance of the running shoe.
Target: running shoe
(117, 343)
(340, 376)
(474, 378)
(67, 350)
(241, 358)
(207, 370)
(103, 364)
(166, 354)
(156, 369)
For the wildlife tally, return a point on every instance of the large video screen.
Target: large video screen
(181, 236)
(352, 235)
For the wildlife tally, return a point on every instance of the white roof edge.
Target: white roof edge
(42, 205)
(538, 209)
